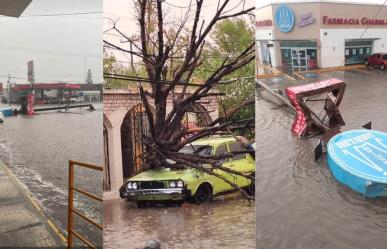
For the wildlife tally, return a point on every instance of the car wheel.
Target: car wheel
(178, 203)
(382, 67)
(141, 204)
(251, 188)
(122, 191)
(203, 194)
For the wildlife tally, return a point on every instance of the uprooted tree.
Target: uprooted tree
(171, 53)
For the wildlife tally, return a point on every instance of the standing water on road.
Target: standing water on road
(37, 149)
(221, 223)
(299, 202)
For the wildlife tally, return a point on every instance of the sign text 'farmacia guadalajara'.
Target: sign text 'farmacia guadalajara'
(353, 21)
(264, 23)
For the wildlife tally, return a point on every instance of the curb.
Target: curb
(35, 204)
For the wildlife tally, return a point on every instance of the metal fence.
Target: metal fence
(71, 209)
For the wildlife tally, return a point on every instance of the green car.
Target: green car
(161, 185)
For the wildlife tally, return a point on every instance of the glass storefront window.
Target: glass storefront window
(286, 57)
(357, 50)
(300, 54)
(312, 58)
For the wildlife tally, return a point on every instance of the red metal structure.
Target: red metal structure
(47, 86)
(306, 119)
(30, 103)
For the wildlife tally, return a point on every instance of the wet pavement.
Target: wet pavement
(299, 202)
(21, 223)
(224, 223)
(37, 150)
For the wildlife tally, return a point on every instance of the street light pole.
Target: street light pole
(9, 89)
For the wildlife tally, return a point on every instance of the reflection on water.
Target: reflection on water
(37, 150)
(299, 202)
(222, 223)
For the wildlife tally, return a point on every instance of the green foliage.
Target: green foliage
(230, 37)
(112, 66)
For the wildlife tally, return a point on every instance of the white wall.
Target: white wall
(275, 58)
(262, 34)
(333, 44)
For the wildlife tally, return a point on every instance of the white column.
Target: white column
(115, 161)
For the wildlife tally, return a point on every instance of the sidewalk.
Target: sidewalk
(22, 222)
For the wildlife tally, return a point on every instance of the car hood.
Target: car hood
(160, 175)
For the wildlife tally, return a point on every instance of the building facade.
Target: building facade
(320, 34)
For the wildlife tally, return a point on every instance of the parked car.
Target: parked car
(378, 59)
(189, 184)
(1, 117)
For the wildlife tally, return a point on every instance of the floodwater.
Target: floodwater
(299, 202)
(37, 150)
(224, 223)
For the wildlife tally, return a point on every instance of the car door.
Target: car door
(376, 59)
(371, 59)
(384, 59)
(242, 163)
(219, 184)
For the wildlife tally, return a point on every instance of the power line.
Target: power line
(221, 56)
(182, 83)
(44, 81)
(176, 6)
(47, 52)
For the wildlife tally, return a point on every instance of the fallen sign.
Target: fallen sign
(358, 159)
(306, 120)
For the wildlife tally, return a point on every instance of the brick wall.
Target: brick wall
(114, 100)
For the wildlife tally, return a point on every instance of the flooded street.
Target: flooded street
(37, 150)
(299, 202)
(223, 223)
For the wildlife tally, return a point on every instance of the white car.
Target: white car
(1, 117)
(76, 99)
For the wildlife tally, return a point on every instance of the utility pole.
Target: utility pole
(9, 89)
(84, 67)
(131, 57)
(30, 96)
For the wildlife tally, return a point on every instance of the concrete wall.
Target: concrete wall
(309, 32)
(333, 44)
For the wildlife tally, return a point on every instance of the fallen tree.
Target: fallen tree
(170, 52)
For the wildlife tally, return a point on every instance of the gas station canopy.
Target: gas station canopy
(13, 8)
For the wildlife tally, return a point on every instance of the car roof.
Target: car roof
(214, 141)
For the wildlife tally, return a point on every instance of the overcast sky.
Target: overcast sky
(124, 11)
(63, 47)
(260, 3)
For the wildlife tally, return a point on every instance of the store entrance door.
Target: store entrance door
(356, 55)
(356, 51)
(299, 59)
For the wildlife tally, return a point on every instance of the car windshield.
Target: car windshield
(197, 149)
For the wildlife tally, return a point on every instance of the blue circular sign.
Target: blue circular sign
(284, 18)
(361, 153)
